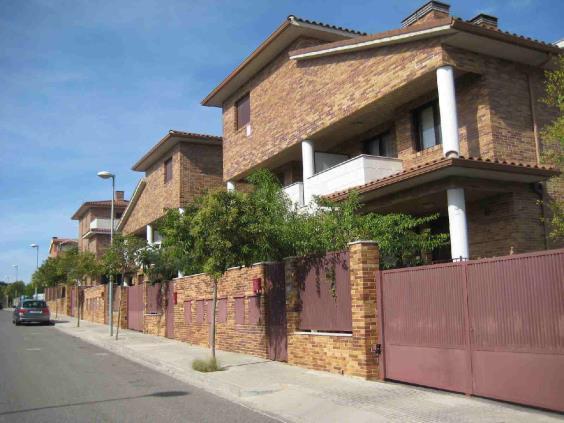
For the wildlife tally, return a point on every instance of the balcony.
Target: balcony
(348, 174)
(295, 193)
(102, 224)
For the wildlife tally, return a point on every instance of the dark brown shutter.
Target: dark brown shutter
(243, 111)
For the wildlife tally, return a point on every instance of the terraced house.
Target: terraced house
(440, 116)
(178, 169)
(94, 223)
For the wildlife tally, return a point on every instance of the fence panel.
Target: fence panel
(424, 326)
(490, 327)
(516, 307)
(135, 307)
(325, 293)
(154, 299)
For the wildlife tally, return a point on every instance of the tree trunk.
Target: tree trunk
(214, 306)
(119, 309)
(77, 306)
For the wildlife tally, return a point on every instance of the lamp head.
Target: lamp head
(105, 174)
(34, 245)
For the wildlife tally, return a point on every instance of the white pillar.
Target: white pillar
(447, 105)
(457, 224)
(230, 186)
(308, 159)
(149, 235)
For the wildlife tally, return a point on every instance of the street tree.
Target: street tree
(553, 137)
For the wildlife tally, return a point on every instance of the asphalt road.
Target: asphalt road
(47, 376)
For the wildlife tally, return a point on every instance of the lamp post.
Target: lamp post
(107, 175)
(16, 267)
(36, 262)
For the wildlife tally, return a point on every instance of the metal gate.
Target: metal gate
(135, 307)
(487, 327)
(276, 303)
(170, 310)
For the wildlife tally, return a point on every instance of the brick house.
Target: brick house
(94, 223)
(59, 245)
(439, 116)
(179, 168)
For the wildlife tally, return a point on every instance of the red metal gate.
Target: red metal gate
(487, 327)
(170, 310)
(135, 307)
(276, 306)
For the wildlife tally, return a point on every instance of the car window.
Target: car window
(34, 304)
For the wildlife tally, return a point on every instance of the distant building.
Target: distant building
(59, 245)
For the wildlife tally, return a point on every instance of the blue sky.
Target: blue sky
(86, 86)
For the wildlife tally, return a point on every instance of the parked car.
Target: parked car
(31, 311)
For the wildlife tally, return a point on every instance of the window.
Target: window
(168, 170)
(428, 126)
(380, 145)
(243, 106)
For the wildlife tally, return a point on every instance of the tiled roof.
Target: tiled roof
(473, 162)
(329, 26)
(118, 204)
(453, 22)
(63, 240)
(173, 133)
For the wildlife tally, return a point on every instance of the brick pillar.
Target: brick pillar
(364, 263)
(293, 305)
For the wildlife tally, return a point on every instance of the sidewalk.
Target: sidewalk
(295, 394)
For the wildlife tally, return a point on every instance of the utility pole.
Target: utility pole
(36, 263)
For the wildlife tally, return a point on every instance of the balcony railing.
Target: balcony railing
(99, 223)
(295, 193)
(351, 173)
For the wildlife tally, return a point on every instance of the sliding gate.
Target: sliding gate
(493, 328)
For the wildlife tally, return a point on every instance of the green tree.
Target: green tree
(15, 290)
(553, 137)
(123, 258)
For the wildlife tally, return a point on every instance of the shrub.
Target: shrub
(207, 365)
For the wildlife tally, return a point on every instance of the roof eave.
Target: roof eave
(213, 99)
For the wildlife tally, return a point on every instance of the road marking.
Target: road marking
(33, 349)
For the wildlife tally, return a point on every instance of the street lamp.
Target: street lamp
(16, 267)
(107, 175)
(36, 262)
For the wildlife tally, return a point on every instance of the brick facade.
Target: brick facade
(196, 168)
(248, 337)
(94, 306)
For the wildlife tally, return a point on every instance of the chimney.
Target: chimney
(119, 196)
(486, 21)
(430, 11)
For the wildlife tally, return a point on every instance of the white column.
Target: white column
(230, 186)
(149, 235)
(457, 224)
(447, 105)
(308, 158)
(308, 168)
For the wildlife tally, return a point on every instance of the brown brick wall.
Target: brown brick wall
(94, 307)
(350, 355)
(196, 168)
(292, 100)
(201, 170)
(243, 338)
(157, 195)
